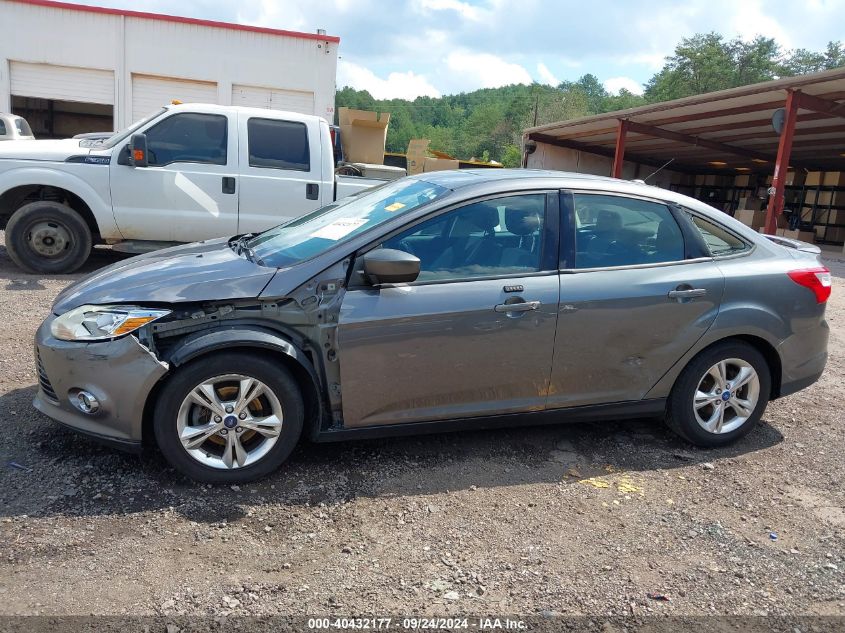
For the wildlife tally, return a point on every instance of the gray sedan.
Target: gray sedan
(449, 300)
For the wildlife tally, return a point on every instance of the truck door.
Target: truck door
(188, 191)
(280, 170)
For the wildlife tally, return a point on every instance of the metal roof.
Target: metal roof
(179, 19)
(740, 118)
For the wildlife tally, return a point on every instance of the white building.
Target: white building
(71, 68)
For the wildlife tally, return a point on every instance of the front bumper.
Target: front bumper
(120, 373)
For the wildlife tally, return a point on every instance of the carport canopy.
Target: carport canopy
(729, 130)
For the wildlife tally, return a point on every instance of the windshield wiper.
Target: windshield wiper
(241, 247)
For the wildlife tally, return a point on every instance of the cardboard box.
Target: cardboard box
(827, 178)
(749, 203)
(826, 198)
(438, 164)
(752, 218)
(791, 179)
(364, 135)
(833, 234)
(416, 155)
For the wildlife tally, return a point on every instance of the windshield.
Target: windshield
(320, 230)
(117, 137)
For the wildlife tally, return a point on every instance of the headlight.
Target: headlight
(100, 323)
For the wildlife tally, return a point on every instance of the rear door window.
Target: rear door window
(621, 231)
(278, 144)
(2, 128)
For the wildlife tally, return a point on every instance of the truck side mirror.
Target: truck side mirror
(138, 150)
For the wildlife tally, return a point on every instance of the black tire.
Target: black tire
(274, 375)
(61, 219)
(680, 414)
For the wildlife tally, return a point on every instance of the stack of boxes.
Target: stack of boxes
(823, 201)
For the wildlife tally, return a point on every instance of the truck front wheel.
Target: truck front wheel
(47, 237)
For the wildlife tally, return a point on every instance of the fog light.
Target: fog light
(85, 401)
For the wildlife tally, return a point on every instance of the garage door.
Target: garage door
(273, 98)
(150, 93)
(62, 83)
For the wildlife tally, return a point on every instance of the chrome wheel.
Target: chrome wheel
(229, 421)
(49, 239)
(726, 396)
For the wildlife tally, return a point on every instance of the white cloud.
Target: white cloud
(463, 9)
(398, 85)
(615, 84)
(546, 75)
(483, 70)
(750, 19)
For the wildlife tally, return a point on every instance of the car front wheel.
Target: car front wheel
(721, 395)
(229, 418)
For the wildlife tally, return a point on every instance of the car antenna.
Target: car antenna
(661, 168)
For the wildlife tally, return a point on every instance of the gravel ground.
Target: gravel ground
(578, 519)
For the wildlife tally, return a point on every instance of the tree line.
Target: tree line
(488, 123)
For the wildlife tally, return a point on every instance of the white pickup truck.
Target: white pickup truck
(185, 173)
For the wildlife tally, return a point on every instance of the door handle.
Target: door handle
(690, 293)
(521, 306)
(228, 184)
(312, 191)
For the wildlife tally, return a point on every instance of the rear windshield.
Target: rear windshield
(325, 228)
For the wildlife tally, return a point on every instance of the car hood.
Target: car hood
(203, 271)
(51, 150)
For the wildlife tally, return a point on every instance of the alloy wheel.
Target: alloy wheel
(229, 421)
(726, 396)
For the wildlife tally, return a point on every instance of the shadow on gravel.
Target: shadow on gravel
(58, 472)
(18, 279)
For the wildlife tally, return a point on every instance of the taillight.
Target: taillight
(816, 279)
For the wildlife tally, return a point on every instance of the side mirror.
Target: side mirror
(138, 150)
(389, 266)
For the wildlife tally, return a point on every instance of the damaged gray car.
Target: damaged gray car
(444, 301)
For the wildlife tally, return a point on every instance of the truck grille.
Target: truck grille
(46, 387)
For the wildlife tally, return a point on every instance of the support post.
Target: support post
(775, 208)
(619, 156)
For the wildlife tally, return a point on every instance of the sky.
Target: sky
(408, 48)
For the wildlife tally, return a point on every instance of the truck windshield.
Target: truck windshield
(117, 137)
(318, 231)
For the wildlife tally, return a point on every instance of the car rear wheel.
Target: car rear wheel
(48, 237)
(229, 418)
(721, 395)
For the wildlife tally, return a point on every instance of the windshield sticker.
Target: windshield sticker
(394, 207)
(339, 228)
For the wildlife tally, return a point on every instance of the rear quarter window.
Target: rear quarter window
(719, 241)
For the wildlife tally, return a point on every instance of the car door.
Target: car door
(637, 290)
(473, 335)
(188, 192)
(280, 171)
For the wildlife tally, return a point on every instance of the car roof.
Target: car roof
(457, 178)
(492, 181)
(266, 113)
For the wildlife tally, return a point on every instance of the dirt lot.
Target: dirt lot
(581, 519)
